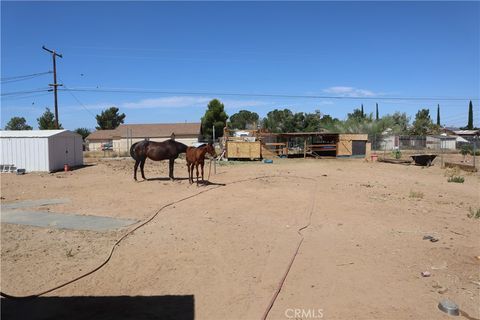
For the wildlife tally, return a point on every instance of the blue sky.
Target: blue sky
(354, 49)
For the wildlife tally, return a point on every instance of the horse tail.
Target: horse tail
(138, 156)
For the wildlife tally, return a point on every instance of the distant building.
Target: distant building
(434, 142)
(467, 134)
(438, 142)
(121, 138)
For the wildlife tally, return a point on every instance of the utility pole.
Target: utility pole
(54, 85)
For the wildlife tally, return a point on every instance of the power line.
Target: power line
(24, 77)
(124, 90)
(79, 102)
(14, 93)
(26, 96)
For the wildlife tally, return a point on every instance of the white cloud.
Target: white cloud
(350, 92)
(237, 104)
(167, 102)
(187, 101)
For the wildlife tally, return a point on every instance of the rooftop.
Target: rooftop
(467, 132)
(31, 133)
(151, 130)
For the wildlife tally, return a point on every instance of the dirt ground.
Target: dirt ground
(229, 247)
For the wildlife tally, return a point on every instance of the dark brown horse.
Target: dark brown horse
(156, 151)
(196, 156)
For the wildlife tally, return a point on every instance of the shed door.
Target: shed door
(63, 152)
(359, 148)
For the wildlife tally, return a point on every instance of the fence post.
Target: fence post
(441, 151)
(384, 148)
(474, 150)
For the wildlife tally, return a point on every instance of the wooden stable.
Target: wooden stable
(244, 150)
(349, 145)
(254, 144)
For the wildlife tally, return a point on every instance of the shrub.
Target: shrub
(474, 214)
(416, 194)
(456, 179)
(466, 149)
(396, 154)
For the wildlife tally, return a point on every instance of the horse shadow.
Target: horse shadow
(103, 308)
(209, 183)
(164, 179)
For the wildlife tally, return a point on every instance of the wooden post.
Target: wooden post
(304, 148)
(55, 85)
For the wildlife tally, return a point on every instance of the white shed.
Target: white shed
(441, 142)
(41, 150)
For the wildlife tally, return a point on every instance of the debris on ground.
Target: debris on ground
(449, 307)
(431, 238)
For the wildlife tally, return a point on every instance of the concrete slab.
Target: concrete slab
(64, 221)
(32, 203)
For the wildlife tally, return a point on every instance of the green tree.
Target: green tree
(47, 121)
(438, 115)
(397, 123)
(422, 124)
(313, 122)
(84, 132)
(279, 121)
(214, 116)
(17, 123)
(363, 113)
(243, 119)
(376, 112)
(470, 116)
(109, 119)
(357, 115)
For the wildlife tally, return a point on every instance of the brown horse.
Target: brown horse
(196, 156)
(169, 149)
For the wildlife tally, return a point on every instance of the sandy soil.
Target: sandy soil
(229, 247)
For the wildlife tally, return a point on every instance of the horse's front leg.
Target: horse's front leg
(142, 164)
(135, 170)
(201, 166)
(192, 166)
(189, 177)
(196, 165)
(171, 164)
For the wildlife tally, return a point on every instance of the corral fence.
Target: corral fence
(446, 148)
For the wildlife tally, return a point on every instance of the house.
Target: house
(469, 135)
(40, 150)
(121, 138)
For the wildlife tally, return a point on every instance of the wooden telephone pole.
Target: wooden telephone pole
(54, 84)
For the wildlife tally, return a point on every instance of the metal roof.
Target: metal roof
(31, 133)
(151, 130)
(467, 132)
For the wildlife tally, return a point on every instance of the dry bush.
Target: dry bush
(416, 195)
